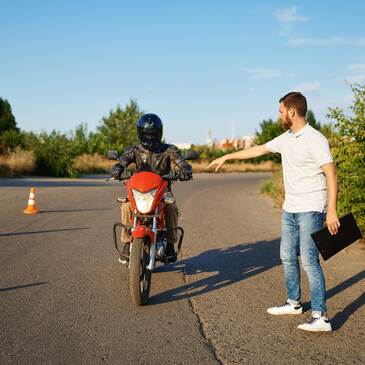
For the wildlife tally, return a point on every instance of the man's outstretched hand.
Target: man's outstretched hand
(217, 163)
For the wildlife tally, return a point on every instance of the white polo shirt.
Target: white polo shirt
(303, 153)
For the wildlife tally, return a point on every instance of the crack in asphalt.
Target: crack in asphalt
(209, 342)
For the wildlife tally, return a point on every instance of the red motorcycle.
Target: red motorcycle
(148, 194)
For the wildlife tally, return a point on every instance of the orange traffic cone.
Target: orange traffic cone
(31, 208)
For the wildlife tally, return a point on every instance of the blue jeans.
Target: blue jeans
(296, 240)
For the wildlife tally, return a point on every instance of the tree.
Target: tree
(268, 131)
(7, 119)
(80, 139)
(328, 130)
(311, 119)
(10, 139)
(118, 130)
(348, 147)
(8, 128)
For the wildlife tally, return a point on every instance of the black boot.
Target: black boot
(170, 252)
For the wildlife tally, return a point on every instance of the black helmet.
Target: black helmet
(149, 130)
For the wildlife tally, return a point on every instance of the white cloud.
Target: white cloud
(317, 42)
(356, 66)
(356, 73)
(322, 42)
(360, 42)
(289, 15)
(263, 73)
(356, 78)
(308, 87)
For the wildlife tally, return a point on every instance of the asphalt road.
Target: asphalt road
(64, 297)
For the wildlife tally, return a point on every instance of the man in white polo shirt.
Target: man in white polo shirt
(310, 183)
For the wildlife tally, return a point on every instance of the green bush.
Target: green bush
(54, 155)
(274, 188)
(12, 139)
(348, 148)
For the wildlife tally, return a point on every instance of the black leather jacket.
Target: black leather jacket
(159, 161)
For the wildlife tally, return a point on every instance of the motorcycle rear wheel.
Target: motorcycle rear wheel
(139, 276)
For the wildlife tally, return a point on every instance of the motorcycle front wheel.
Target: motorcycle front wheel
(139, 276)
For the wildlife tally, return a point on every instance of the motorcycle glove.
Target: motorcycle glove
(186, 174)
(117, 171)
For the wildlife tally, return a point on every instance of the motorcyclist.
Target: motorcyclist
(152, 155)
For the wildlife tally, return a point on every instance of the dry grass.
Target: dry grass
(275, 188)
(23, 163)
(18, 163)
(236, 167)
(92, 164)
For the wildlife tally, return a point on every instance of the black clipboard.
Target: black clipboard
(329, 245)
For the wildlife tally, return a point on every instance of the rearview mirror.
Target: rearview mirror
(190, 155)
(112, 155)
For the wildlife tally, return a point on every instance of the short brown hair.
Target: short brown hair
(295, 100)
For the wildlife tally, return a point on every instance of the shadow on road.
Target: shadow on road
(228, 266)
(341, 317)
(22, 286)
(234, 264)
(345, 284)
(74, 210)
(41, 232)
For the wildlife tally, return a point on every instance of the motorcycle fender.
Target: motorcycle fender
(143, 231)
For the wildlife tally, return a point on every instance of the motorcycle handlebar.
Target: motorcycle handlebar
(125, 176)
(174, 177)
(171, 177)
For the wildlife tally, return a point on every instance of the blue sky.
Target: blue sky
(200, 65)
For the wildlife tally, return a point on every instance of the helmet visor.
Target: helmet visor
(150, 136)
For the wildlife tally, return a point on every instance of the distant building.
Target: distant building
(238, 143)
(248, 141)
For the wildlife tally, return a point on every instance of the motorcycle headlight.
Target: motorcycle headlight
(144, 201)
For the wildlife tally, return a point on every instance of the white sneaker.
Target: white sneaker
(286, 308)
(317, 324)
